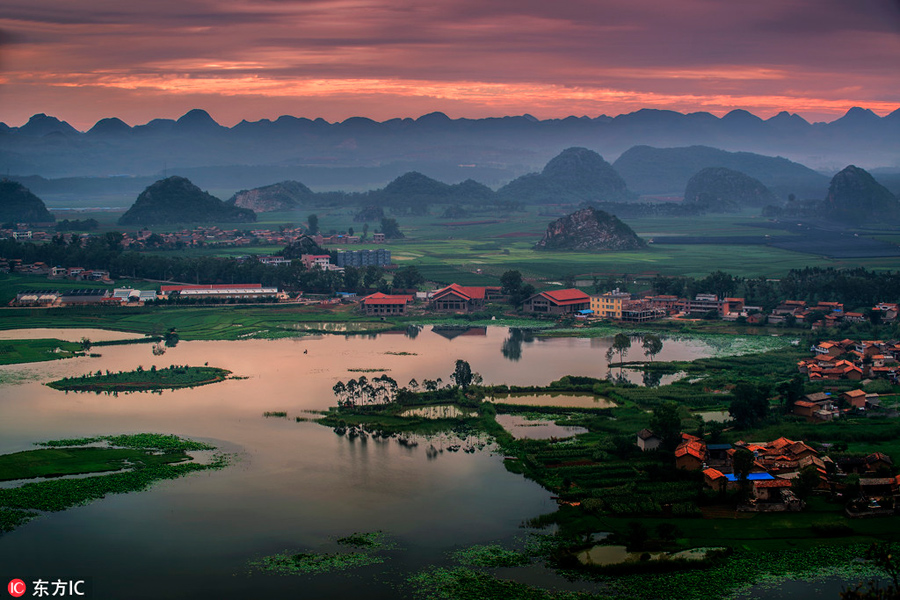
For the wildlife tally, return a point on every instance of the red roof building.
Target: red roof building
(463, 299)
(385, 304)
(558, 302)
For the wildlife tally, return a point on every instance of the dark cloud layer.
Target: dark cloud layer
(256, 58)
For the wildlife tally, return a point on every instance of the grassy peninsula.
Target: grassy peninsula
(139, 380)
(135, 462)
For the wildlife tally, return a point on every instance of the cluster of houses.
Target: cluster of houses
(17, 265)
(775, 467)
(457, 298)
(613, 305)
(827, 314)
(851, 359)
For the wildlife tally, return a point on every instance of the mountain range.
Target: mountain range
(491, 150)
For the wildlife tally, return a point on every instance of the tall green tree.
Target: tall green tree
(462, 374)
(666, 423)
(312, 221)
(652, 344)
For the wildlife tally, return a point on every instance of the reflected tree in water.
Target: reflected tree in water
(651, 379)
(652, 344)
(512, 345)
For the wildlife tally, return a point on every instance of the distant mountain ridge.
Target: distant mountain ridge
(52, 148)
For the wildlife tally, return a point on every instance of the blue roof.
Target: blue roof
(718, 446)
(585, 312)
(751, 476)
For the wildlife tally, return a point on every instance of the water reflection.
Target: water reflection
(651, 378)
(296, 484)
(521, 427)
(512, 345)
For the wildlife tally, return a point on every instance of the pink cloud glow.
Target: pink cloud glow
(339, 58)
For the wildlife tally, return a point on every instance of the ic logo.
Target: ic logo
(16, 588)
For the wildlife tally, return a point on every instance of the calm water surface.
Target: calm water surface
(294, 485)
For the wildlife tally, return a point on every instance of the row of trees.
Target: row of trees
(385, 390)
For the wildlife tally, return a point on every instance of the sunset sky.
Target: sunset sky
(253, 59)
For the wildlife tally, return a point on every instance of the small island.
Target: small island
(169, 378)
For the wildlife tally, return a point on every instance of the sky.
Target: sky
(254, 59)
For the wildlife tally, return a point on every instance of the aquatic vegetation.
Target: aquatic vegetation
(288, 563)
(17, 503)
(372, 541)
(11, 518)
(275, 413)
(366, 546)
(491, 555)
(461, 583)
(147, 441)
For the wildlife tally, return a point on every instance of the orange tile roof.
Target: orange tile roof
(569, 296)
(379, 298)
(715, 473)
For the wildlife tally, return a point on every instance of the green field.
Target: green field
(23, 351)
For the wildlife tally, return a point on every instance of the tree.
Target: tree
(750, 404)
(462, 375)
(806, 482)
(790, 391)
(312, 222)
(637, 536)
(742, 463)
(390, 229)
(351, 278)
(666, 423)
(372, 276)
(621, 344)
(408, 277)
(652, 345)
(511, 282)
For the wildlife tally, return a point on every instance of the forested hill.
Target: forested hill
(177, 200)
(19, 205)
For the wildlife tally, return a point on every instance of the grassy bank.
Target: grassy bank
(169, 378)
(139, 461)
(25, 351)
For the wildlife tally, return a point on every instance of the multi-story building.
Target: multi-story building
(364, 258)
(609, 305)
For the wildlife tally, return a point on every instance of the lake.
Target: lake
(294, 486)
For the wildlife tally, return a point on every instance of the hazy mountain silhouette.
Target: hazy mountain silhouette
(718, 189)
(575, 175)
(855, 197)
(496, 149)
(667, 170)
(19, 205)
(177, 200)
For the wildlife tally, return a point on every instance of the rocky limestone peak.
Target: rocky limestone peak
(855, 197)
(589, 229)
